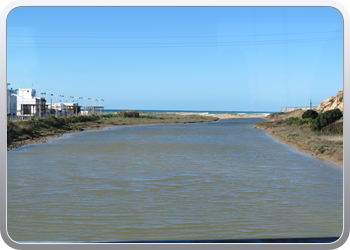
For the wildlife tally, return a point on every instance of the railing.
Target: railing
(59, 114)
(36, 116)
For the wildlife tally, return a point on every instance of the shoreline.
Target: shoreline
(44, 138)
(221, 116)
(300, 147)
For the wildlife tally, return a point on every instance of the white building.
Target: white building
(64, 109)
(28, 104)
(11, 102)
(290, 109)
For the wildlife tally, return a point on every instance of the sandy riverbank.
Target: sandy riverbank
(222, 116)
(302, 147)
(43, 139)
(161, 119)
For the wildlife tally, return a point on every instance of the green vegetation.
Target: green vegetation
(275, 115)
(128, 114)
(334, 128)
(298, 121)
(310, 114)
(326, 118)
(325, 142)
(36, 128)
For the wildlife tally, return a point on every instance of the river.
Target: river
(220, 180)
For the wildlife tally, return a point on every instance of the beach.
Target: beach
(223, 116)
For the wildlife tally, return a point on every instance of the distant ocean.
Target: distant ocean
(199, 112)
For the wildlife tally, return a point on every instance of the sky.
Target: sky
(178, 58)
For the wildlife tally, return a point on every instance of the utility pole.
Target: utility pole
(56, 105)
(40, 106)
(101, 101)
(48, 94)
(76, 110)
(310, 104)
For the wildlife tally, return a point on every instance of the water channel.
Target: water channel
(220, 180)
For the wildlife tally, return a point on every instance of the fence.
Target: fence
(59, 114)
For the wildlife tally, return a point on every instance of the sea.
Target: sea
(108, 111)
(215, 180)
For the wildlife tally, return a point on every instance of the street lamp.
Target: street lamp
(93, 104)
(102, 100)
(56, 104)
(85, 102)
(77, 101)
(77, 104)
(41, 93)
(96, 101)
(65, 111)
(48, 94)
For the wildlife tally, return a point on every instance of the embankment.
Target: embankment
(20, 133)
(323, 145)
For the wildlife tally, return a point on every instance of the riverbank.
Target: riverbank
(323, 145)
(20, 133)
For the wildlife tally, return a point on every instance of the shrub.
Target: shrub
(307, 121)
(275, 114)
(310, 114)
(334, 128)
(326, 118)
(129, 114)
(291, 120)
(298, 121)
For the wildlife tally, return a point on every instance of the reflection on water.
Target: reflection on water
(222, 180)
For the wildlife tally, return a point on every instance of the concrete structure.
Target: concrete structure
(11, 102)
(29, 105)
(92, 110)
(24, 104)
(64, 109)
(290, 109)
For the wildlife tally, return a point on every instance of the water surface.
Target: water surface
(220, 180)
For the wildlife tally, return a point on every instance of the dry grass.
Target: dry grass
(283, 116)
(38, 128)
(325, 146)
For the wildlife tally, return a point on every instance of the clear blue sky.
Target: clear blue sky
(194, 58)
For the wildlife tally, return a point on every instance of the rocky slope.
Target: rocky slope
(332, 103)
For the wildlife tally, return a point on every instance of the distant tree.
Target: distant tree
(326, 118)
(310, 114)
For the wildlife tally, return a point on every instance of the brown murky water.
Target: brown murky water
(222, 180)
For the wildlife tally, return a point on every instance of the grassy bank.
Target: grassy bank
(292, 129)
(21, 133)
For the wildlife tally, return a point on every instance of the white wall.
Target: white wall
(27, 96)
(11, 102)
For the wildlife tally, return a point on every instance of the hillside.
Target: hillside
(325, 142)
(332, 102)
